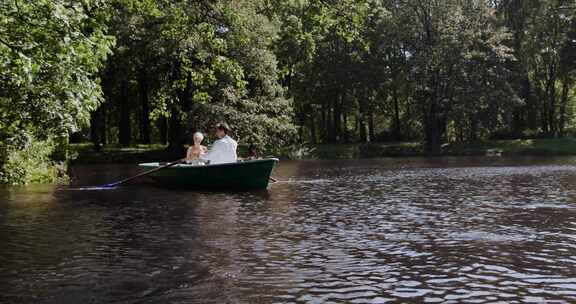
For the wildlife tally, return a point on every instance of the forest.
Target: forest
(281, 72)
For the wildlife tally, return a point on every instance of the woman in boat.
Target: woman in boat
(197, 149)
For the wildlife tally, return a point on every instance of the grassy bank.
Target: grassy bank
(537, 147)
(84, 153)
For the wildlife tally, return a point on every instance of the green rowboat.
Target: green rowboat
(241, 175)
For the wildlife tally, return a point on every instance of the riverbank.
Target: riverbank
(534, 147)
(84, 153)
(520, 147)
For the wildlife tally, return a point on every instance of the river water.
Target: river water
(445, 230)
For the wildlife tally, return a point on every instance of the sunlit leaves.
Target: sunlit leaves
(209, 61)
(50, 53)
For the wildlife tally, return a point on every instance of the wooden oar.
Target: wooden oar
(112, 185)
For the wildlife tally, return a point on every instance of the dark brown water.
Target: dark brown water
(370, 231)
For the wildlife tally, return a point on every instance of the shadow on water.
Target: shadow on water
(368, 231)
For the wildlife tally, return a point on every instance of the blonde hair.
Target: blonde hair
(199, 136)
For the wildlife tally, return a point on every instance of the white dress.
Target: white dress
(222, 151)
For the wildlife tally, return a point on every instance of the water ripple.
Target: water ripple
(344, 232)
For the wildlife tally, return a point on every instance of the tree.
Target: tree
(192, 63)
(50, 53)
(547, 38)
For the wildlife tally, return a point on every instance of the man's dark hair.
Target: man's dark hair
(224, 127)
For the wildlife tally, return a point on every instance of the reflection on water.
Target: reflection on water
(370, 231)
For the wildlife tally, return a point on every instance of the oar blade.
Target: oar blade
(109, 186)
(92, 188)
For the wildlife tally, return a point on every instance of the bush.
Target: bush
(32, 164)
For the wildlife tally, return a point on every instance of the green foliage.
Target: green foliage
(458, 68)
(436, 70)
(208, 61)
(31, 164)
(50, 52)
(254, 103)
(281, 73)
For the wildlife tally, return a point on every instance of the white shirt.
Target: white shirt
(222, 151)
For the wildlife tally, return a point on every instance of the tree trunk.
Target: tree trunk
(546, 113)
(432, 117)
(103, 126)
(313, 136)
(362, 114)
(473, 137)
(532, 107)
(362, 128)
(397, 130)
(524, 116)
(330, 122)
(371, 127)
(459, 131)
(302, 123)
(163, 130)
(175, 134)
(345, 128)
(95, 121)
(124, 134)
(108, 92)
(371, 130)
(337, 120)
(323, 123)
(432, 130)
(145, 104)
(552, 121)
(563, 106)
(518, 120)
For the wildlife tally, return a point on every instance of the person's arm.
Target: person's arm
(214, 151)
(235, 148)
(189, 154)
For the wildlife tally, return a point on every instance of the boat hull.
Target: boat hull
(242, 175)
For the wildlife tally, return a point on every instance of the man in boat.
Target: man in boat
(224, 149)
